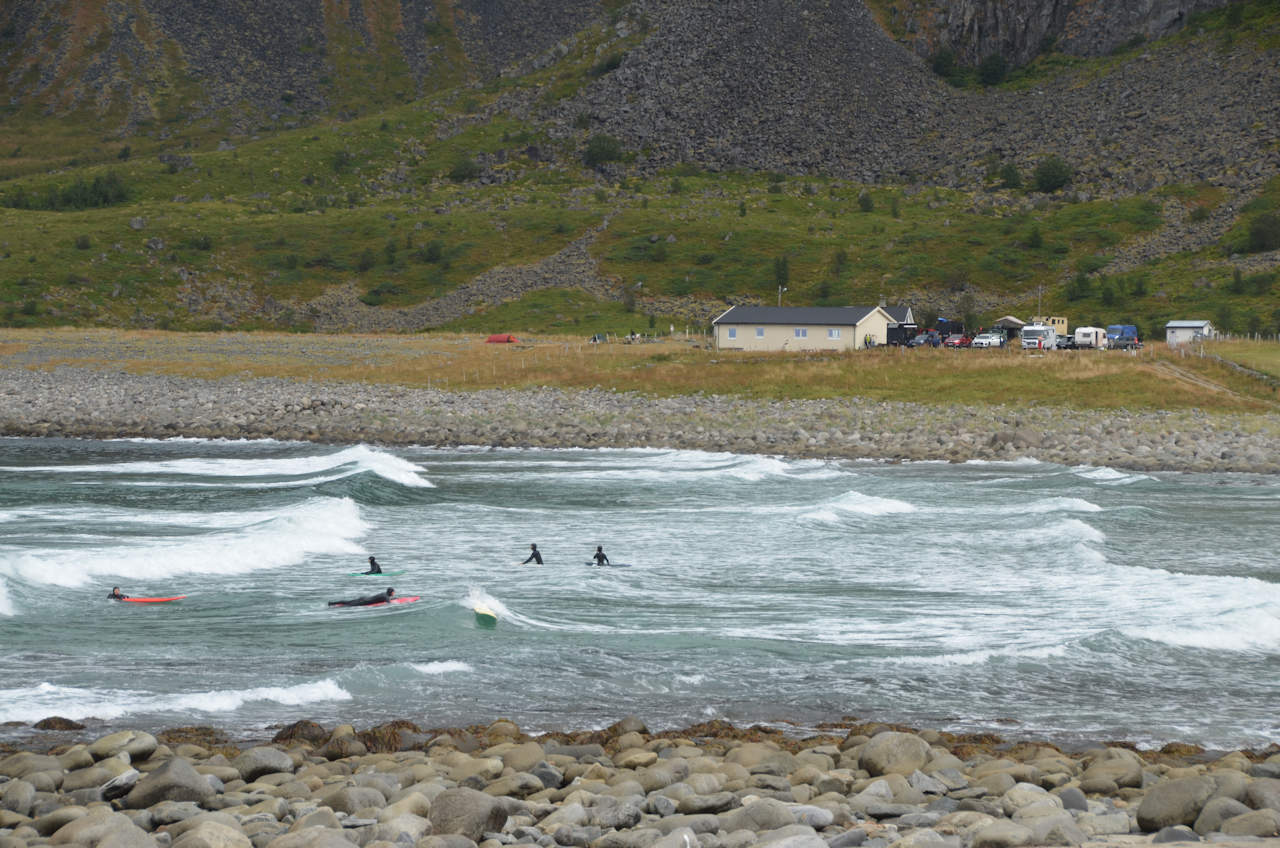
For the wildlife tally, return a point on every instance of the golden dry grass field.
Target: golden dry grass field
(1154, 378)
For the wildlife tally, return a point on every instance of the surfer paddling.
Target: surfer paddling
(116, 595)
(368, 600)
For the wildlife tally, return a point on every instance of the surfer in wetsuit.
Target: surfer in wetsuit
(535, 556)
(115, 594)
(374, 568)
(599, 556)
(380, 598)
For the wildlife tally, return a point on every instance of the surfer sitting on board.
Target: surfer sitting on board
(535, 556)
(380, 598)
(374, 568)
(599, 555)
(115, 594)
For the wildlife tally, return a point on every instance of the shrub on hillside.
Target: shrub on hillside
(464, 169)
(607, 64)
(1051, 174)
(865, 202)
(993, 69)
(600, 149)
(1010, 176)
(103, 191)
(1264, 233)
(83, 243)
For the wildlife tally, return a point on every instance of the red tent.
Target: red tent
(501, 338)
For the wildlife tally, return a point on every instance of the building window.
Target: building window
(733, 332)
(833, 332)
(759, 332)
(802, 332)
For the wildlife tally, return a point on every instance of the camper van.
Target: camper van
(1091, 337)
(1039, 337)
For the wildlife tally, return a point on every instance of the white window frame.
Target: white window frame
(759, 332)
(833, 332)
(802, 332)
(733, 332)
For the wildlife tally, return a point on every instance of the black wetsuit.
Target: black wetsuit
(535, 556)
(116, 597)
(380, 598)
(374, 568)
(600, 558)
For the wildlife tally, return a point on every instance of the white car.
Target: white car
(988, 340)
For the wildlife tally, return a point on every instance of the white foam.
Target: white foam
(34, 703)
(857, 503)
(1108, 476)
(257, 540)
(352, 460)
(1241, 630)
(442, 667)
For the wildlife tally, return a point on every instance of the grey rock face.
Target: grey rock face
(1174, 802)
(466, 812)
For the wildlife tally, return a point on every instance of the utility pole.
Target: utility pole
(781, 289)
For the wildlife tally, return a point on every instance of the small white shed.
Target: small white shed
(1185, 332)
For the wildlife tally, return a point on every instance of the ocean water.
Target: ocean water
(1078, 604)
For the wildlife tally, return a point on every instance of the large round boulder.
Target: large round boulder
(137, 744)
(894, 753)
(255, 762)
(1174, 802)
(176, 780)
(467, 812)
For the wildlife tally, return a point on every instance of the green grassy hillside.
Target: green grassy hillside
(205, 230)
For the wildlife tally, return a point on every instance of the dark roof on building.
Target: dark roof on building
(899, 314)
(831, 316)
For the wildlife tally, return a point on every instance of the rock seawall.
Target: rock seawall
(96, 403)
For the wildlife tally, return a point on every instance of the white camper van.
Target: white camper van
(1091, 337)
(1039, 337)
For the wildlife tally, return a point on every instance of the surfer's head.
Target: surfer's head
(115, 590)
(371, 560)
(533, 547)
(390, 591)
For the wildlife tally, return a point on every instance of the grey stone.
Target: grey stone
(176, 780)
(1215, 812)
(466, 812)
(1073, 799)
(763, 815)
(851, 838)
(1178, 833)
(350, 799)
(894, 753)
(211, 834)
(18, 796)
(264, 759)
(1264, 823)
(1174, 802)
(1001, 834)
(1264, 792)
(716, 803)
(169, 812)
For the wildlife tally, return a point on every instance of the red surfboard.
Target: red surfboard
(151, 600)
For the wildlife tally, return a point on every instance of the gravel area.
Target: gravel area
(107, 403)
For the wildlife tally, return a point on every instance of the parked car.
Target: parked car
(926, 339)
(989, 340)
(1125, 343)
(1066, 342)
(957, 340)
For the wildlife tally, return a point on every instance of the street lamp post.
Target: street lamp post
(781, 289)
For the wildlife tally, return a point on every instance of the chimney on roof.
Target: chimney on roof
(882, 303)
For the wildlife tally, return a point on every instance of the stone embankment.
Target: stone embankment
(98, 403)
(713, 786)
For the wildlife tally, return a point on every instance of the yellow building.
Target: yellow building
(1057, 322)
(801, 327)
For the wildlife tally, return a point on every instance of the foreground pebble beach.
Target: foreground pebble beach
(705, 787)
(107, 403)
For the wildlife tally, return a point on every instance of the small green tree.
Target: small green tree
(1051, 174)
(894, 209)
(83, 242)
(1010, 176)
(366, 260)
(865, 201)
(1264, 233)
(781, 271)
(464, 169)
(1035, 241)
(602, 148)
(742, 209)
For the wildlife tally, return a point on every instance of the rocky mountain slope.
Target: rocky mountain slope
(1019, 30)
